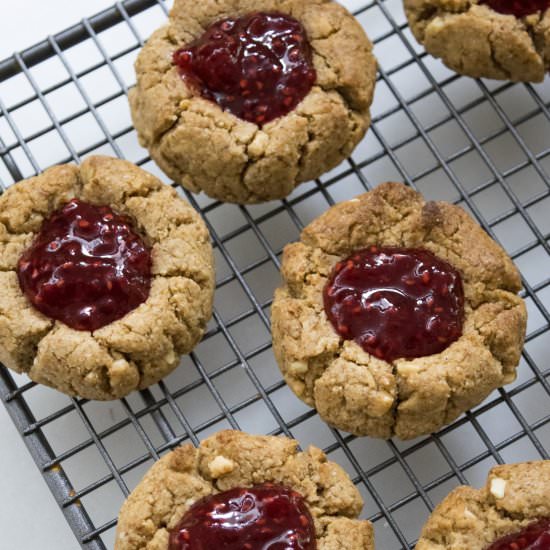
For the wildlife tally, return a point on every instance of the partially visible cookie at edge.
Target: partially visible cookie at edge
(359, 392)
(232, 459)
(147, 343)
(514, 497)
(474, 39)
(205, 148)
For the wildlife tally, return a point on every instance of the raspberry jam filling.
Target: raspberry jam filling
(86, 268)
(519, 8)
(396, 302)
(536, 536)
(264, 517)
(258, 67)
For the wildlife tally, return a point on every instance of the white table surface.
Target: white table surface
(29, 516)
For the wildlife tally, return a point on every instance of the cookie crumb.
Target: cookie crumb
(498, 487)
(221, 466)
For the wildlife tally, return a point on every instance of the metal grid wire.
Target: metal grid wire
(483, 145)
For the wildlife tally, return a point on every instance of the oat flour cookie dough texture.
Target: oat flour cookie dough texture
(515, 496)
(360, 393)
(485, 39)
(231, 460)
(143, 346)
(207, 149)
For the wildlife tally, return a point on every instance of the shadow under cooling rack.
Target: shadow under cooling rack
(483, 145)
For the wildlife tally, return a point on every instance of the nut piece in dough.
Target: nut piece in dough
(145, 345)
(183, 477)
(473, 519)
(204, 148)
(473, 39)
(359, 392)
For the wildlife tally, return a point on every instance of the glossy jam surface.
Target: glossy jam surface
(536, 536)
(258, 67)
(519, 8)
(265, 517)
(87, 267)
(396, 302)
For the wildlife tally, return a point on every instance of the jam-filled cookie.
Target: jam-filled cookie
(500, 39)
(512, 512)
(396, 315)
(246, 99)
(107, 278)
(244, 492)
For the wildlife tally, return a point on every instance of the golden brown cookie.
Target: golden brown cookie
(207, 149)
(146, 344)
(232, 459)
(475, 39)
(359, 392)
(514, 497)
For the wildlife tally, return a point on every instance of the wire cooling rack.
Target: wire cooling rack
(480, 144)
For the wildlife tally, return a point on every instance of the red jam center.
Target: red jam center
(258, 67)
(266, 517)
(519, 8)
(536, 536)
(86, 268)
(396, 302)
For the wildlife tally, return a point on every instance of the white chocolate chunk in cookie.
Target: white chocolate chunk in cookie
(408, 369)
(498, 487)
(382, 405)
(298, 367)
(435, 25)
(221, 466)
